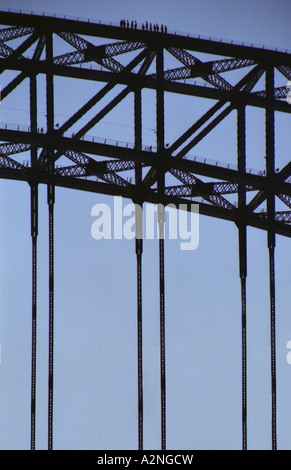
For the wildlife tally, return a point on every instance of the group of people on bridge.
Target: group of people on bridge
(145, 26)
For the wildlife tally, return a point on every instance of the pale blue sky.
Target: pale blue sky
(95, 299)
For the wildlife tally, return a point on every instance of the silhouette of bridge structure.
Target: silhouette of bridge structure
(132, 59)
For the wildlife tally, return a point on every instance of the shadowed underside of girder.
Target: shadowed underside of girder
(131, 61)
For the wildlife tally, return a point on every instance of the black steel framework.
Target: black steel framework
(150, 167)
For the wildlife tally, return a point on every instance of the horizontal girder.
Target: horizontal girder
(186, 42)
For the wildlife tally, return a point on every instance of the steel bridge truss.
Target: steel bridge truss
(137, 60)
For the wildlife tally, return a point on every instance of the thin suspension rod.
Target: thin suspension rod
(34, 234)
(273, 344)
(270, 171)
(50, 200)
(34, 229)
(244, 363)
(139, 340)
(51, 317)
(241, 127)
(162, 331)
(139, 250)
(161, 222)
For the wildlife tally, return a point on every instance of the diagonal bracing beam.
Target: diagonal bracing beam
(11, 54)
(197, 187)
(248, 81)
(198, 68)
(87, 52)
(91, 103)
(17, 80)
